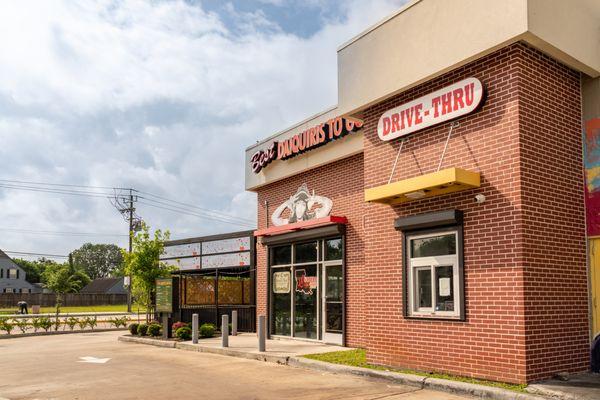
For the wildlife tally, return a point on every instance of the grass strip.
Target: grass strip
(358, 358)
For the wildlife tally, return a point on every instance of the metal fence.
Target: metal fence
(69, 300)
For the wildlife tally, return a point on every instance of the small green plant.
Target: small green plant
(6, 325)
(92, 322)
(45, 323)
(56, 323)
(154, 330)
(71, 322)
(183, 333)
(207, 330)
(35, 322)
(133, 328)
(22, 324)
(119, 322)
(142, 330)
(83, 322)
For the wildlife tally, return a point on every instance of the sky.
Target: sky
(159, 96)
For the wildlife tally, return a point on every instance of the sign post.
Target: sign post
(164, 302)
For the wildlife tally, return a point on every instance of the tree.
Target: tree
(143, 266)
(64, 278)
(98, 260)
(34, 270)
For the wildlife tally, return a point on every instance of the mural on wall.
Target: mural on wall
(302, 206)
(592, 176)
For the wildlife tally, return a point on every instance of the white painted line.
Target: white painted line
(93, 360)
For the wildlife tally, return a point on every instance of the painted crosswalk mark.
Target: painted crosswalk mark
(93, 360)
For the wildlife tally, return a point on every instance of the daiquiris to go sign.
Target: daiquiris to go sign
(442, 105)
(306, 140)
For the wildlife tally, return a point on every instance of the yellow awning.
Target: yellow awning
(429, 185)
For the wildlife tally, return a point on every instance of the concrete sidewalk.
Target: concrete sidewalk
(576, 387)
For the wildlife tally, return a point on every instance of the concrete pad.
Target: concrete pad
(577, 387)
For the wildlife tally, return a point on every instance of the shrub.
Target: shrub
(133, 328)
(71, 322)
(45, 323)
(35, 322)
(82, 323)
(92, 322)
(22, 324)
(178, 325)
(183, 333)
(142, 329)
(119, 322)
(207, 330)
(154, 330)
(6, 325)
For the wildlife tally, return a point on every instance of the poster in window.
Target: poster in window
(184, 264)
(281, 282)
(444, 287)
(226, 245)
(226, 260)
(181, 250)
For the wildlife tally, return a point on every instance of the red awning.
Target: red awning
(297, 226)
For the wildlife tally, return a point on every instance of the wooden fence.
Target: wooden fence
(69, 300)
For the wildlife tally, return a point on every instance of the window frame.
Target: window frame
(410, 264)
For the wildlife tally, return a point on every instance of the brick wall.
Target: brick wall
(507, 262)
(342, 182)
(556, 299)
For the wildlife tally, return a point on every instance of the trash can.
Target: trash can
(35, 309)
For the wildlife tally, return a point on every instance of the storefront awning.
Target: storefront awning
(429, 185)
(302, 225)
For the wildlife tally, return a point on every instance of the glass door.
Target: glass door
(333, 303)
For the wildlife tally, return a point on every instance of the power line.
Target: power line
(41, 232)
(196, 215)
(23, 253)
(210, 216)
(193, 206)
(59, 184)
(57, 191)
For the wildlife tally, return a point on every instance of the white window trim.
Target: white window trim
(418, 263)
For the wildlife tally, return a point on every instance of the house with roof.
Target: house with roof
(106, 286)
(12, 277)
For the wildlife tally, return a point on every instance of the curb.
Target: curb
(151, 342)
(549, 393)
(50, 333)
(440, 385)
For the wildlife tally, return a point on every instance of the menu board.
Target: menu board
(184, 263)
(226, 260)
(164, 295)
(226, 245)
(181, 250)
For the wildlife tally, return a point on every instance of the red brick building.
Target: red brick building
(437, 219)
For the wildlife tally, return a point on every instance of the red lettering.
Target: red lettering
(395, 125)
(469, 94)
(435, 103)
(409, 117)
(402, 118)
(321, 133)
(302, 141)
(386, 126)
(458, 99)
(418, 117)
(446, 103)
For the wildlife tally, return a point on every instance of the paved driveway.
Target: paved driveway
(50, 367)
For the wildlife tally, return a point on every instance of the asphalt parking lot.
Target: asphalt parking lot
(97, 366)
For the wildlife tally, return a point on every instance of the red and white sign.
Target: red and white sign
(443, 105)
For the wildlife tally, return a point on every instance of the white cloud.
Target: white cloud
(161, 96)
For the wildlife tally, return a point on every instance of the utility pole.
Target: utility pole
(125, 203)
(131, 209)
